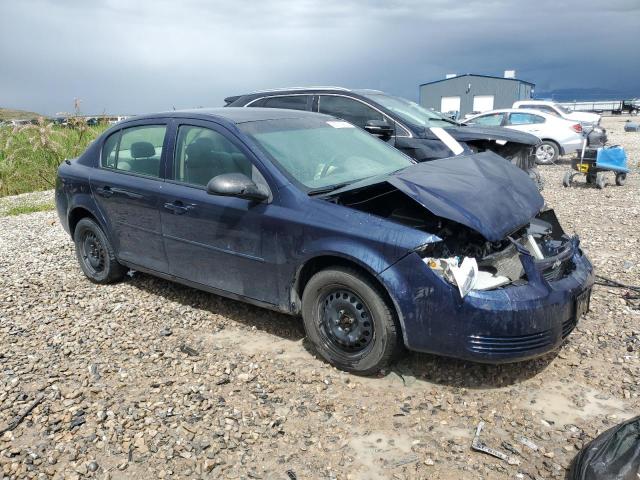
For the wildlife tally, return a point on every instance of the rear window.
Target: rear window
(291, 102)
(135, 150)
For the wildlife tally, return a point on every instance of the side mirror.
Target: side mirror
(380, 129)
(236, 185)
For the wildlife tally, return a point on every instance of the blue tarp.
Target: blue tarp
(612, 158)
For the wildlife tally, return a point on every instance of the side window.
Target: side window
(494, 119)
(292, 102)
(109, 150)
(525, 119)
(135, 149)
(202, 153)
(348, 109)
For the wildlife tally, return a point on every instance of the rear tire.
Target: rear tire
(349, 322)
(95, 254)
(547, 152)
(621, 179)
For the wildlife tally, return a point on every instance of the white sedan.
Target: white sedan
(559, 136)
(553, 108)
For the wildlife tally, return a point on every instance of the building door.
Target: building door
(450, 104)
(482, 103)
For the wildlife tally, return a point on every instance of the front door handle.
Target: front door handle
(178, 207)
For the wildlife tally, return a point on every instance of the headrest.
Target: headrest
(142, 150)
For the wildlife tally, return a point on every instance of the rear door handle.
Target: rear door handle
(178, 207)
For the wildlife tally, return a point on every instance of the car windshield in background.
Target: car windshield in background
(319, 153)
(563, 109)
(411, 111)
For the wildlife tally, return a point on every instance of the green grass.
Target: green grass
(9, 114)
(24, 209)
(30, 154)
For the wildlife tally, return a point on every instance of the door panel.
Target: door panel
(127, 190)
(214, 240)
(218, 242)
(130, 204)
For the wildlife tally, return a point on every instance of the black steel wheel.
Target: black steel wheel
(348, 321)
(621, 179)
(345, 320)
(95, 254)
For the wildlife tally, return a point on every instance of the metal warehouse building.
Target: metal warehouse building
(474, 93)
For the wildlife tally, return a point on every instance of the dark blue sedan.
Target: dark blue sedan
(306, 214)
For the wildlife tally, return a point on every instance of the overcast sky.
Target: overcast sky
(128, 56)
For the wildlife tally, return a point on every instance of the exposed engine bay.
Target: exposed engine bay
(464, 257)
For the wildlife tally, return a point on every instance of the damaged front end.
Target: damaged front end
(469, 262)
(499, 280)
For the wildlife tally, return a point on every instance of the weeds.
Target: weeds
(28, 208)
(30, 154)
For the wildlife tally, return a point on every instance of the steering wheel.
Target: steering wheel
(330, 163)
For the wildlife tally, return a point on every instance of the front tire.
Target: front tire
(95, 254)
(621, 179)
(349, 322)
(547, 153)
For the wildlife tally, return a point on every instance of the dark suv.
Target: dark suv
(420, 133)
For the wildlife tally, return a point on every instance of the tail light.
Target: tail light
(577, 128)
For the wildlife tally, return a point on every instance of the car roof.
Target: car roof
(516, 110)
(535, 102)
(301, 91)
(235, 115)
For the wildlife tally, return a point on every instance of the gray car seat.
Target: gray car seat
(143, 154)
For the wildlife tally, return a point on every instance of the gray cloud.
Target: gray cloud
(134, 57)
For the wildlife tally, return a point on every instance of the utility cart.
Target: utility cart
(594, 163)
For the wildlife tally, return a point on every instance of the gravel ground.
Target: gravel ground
(149, 379)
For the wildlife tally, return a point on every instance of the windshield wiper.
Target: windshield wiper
(327, 189)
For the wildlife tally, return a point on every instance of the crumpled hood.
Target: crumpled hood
(482, 191)
(465, 133)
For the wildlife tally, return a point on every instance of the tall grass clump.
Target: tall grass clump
(30, 154)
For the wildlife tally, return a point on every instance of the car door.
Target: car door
(213, 240)
(526, 122)
(127, 187)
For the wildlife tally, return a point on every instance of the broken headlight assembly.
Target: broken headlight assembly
(464, 273)
(469, 263)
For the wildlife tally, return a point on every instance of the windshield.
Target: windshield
(319, 153)
(411, 111)
(562, 108)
